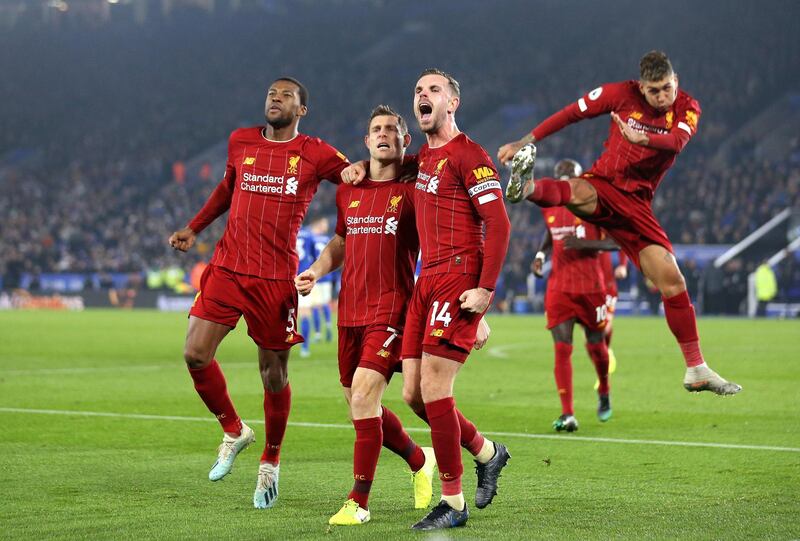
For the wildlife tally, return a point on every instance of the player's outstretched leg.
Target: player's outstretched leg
(563, 376)
(520, 184)
(660, 266)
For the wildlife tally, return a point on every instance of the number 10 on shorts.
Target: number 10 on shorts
(440, 314)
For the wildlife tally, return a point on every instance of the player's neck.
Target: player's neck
(443, 135)
(383, 171)
(287, 133)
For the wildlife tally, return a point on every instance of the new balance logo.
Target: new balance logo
(391, 226)
(291, 186)
(433, 185)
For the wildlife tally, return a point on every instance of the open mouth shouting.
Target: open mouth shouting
(425, 111)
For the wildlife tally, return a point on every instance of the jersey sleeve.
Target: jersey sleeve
(220, 199)
(330, 163)
(688, 115)
(482, 183)
(341, 201)
(601, 100)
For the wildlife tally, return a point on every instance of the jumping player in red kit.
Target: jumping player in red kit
(377, 243)
(652, 120)
(270, 177)
(575, 293)
(457, 197)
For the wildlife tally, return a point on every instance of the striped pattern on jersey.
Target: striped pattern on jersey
(376, 220)
(573, 271)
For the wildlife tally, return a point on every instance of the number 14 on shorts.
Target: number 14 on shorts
(440, 314)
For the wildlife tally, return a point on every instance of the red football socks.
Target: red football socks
(367, 449)
(471, 439)
(397, 440)
(549, 192)
(598, 353)
(445, 435)
(683, 324)
(276, 416)
(209, 382)
(563, 373)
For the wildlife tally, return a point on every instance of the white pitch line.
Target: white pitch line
(561, 438)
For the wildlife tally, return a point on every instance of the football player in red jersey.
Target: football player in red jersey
(652, 120)
(575, 293)
(377, 243)
(457, 197)
(270, 177)
(611, 274)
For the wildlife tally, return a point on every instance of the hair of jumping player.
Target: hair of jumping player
(385, 110)
(301, 88)
(455, 88)
(655, 66)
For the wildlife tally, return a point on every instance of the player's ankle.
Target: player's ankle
(455, 501)
(487, 451)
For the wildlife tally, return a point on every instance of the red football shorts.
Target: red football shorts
(376, 347)
(435, 322)
(589, 309)
(628, 218)
(269, 306)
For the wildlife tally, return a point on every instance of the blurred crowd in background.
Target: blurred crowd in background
(102, 125)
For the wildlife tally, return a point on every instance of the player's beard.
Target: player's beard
(280, 122)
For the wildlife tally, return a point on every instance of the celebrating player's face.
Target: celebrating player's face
(433, 100)
(660, 94)
(283, 105)
(386, 141)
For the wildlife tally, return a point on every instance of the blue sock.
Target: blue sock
(317, 320)
(305, 330)
(326, 311)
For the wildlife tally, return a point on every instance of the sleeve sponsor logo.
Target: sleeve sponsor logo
(492, 184)
(292, 163)
(594, 94)
(394, 202)
(685, 127)
(484, 172)
(249, 161)
(691, 120)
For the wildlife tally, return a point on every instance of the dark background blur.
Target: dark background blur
(114, 117)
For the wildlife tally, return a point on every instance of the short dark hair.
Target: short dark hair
(455, 88)
(301, 88)
(385, 110)
(655, 66)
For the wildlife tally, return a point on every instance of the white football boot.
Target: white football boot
(266, 493)
(228, 450)
(702, 378)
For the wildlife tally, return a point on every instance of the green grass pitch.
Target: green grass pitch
(72, 476)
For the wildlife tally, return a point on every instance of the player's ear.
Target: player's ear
(453, 103)
(366, 141)
(406, 140)
(302, 110)
(675, 79)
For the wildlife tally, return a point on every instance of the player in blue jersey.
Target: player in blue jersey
(307, 254)
(322, 295)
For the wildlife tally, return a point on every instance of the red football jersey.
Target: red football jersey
(268, 186)
(573, 271)
(458, 192)
(632, 167)
(376, 220)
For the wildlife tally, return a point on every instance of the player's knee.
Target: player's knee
(274, 376)
(413, 397)
(673, 284)
(195, 357)
(363, 403)
(582, 192)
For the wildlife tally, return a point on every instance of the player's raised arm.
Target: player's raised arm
(599, 101)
